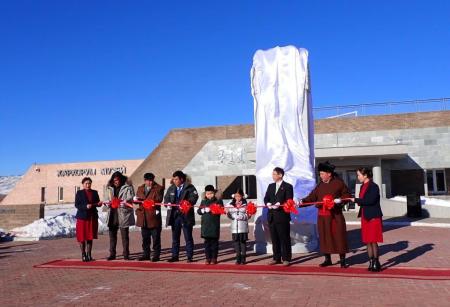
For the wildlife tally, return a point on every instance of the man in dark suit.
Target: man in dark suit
(181, 190)
(277, 194)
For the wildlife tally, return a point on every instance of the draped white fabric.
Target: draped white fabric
(284, 137)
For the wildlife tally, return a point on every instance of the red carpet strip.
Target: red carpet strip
(354, 271)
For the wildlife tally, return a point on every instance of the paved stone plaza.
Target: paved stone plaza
(413, 247)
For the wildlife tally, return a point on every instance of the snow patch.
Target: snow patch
(7, 183)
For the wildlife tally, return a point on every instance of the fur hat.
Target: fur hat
(326, 167)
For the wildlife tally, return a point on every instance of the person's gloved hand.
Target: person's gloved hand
(337, 200)
(276, 206)
(269, 205)
(135, 198)
(207, 210)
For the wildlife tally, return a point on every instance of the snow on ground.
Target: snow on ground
(7, 183)
(425, 201)
(59, 221)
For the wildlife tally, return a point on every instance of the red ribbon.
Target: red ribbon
(251, 209)
(148, 204)
(115, 203)
(289, 206)
(217, 209)
(185, 206)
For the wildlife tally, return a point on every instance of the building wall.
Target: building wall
(233, 157)
(28, 190)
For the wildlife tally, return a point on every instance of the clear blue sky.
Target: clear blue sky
(104, 80)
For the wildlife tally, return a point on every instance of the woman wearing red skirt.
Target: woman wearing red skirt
(371, 216)
(86, 201)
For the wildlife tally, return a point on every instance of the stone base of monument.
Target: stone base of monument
(304, 238)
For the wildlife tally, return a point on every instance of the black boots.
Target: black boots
(327, 261)
(84, 257)
(370, 265)
(89, 257)
(343, 263)
(376, 265)
(111, 257)
(240, 259)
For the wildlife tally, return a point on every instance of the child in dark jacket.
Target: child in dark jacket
(210, 225)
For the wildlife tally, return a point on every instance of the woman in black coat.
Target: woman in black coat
(371, 216)
(86, 201)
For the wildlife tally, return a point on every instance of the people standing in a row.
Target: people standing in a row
(119, 218)
(277, 194)
(86, 201)
(181, 190)
(330, 223)
(210, 224)
(371, 216)
(150, 219)
(237, 212)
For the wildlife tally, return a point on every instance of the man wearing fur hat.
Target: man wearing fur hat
(330, 223)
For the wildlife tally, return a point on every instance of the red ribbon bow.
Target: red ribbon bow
(251, 209)
(217, 209)
(289, 207)
(115, 203)
(185, 206)
(148, 204)
(328, 202)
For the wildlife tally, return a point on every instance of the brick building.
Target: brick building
(408, 152)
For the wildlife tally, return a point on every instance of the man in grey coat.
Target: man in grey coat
(181, 190)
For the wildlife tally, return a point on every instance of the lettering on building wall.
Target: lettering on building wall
(228, 156)
(90, 171)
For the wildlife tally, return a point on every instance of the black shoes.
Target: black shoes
(143, 258)
(327, 261)
(155, 259)
(370, 265)
(343, 263)
(89, 257)
(173, 259)
(376, 265)
(111, 257)
(84, 257)
(189, 260)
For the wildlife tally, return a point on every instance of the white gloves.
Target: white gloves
(276, 206)
(337, 201)
(135, 198)
(157, 212)
(207, 210)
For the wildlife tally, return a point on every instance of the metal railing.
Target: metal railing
(383, 108)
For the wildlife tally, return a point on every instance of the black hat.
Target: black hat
(210, 188)
(326, 167)
(149, 176)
